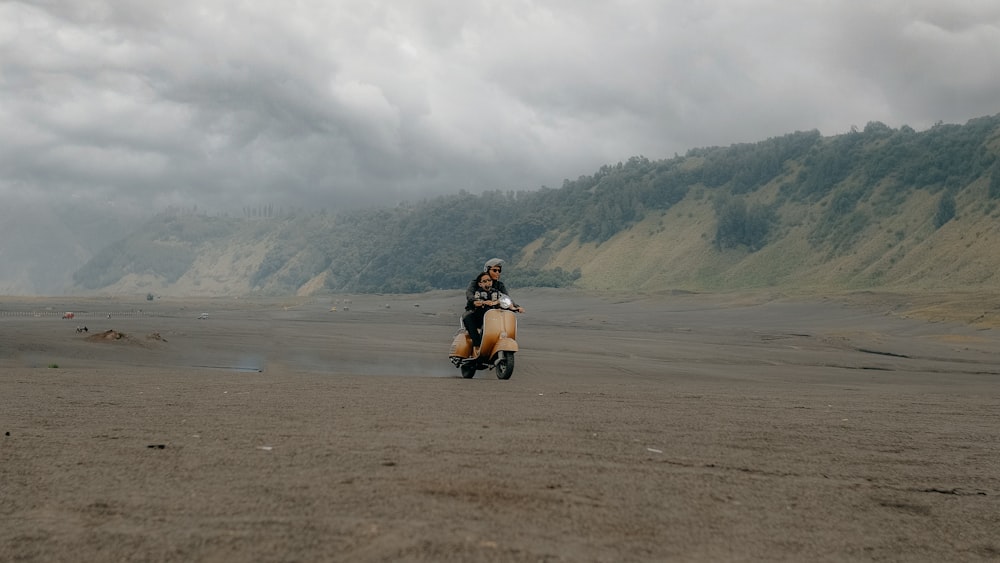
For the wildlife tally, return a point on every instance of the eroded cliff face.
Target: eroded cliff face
(222, 267)
(675, 250)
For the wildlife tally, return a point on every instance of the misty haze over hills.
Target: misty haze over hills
(114, 111)
(43, 242)
(874, 208)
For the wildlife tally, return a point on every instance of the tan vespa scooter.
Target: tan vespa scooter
(498, 346)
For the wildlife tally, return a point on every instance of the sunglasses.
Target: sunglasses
(495, 269)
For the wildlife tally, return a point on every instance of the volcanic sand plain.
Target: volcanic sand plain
(670, 427)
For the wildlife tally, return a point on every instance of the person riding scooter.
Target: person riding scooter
(493, 267)
(484, 298)
(487, 308)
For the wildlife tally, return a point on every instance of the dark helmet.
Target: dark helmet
(492, 262)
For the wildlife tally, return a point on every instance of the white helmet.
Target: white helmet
(492, 262)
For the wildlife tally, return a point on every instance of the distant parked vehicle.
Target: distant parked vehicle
(203, 316)
(68, 315)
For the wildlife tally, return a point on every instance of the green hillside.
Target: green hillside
(876, 208)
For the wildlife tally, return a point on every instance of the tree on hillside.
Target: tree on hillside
(994, 190)
(945, 210)
(828, 164)
(739, 225)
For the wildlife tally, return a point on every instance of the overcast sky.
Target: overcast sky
(225, 103)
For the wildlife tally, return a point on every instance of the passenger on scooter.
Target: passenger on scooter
(477, 303)
(493, 267)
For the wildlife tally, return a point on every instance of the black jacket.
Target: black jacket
(470, 292)
(480, 295)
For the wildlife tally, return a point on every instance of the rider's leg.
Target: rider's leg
(472, 321)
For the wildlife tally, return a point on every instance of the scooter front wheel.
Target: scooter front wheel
(505, 365)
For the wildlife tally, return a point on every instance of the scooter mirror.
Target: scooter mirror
(505, 301)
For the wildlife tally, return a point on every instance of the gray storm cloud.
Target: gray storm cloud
(227, 103)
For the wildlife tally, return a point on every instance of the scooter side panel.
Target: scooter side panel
(461, 346)
(497, 322)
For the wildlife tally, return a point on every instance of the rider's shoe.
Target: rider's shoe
(475, 351)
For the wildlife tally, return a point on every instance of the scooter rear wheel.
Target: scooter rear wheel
(505, 365)
(468, 370)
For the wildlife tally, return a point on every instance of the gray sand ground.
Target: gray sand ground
(682, 427)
